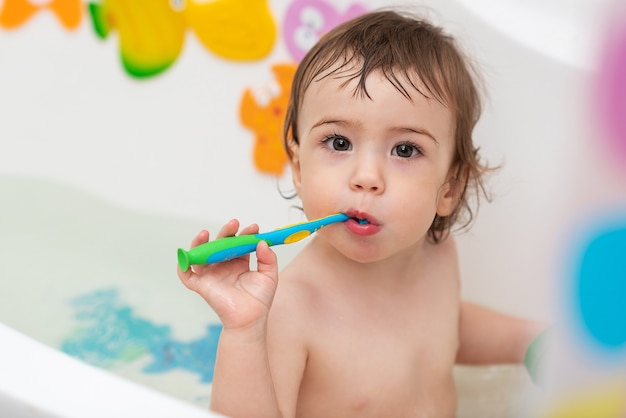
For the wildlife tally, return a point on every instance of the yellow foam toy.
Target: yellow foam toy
(152, 32)
(233, 29)
(603, 401)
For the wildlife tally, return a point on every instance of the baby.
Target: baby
(367, 319)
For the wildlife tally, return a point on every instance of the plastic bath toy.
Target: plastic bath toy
(227, 248)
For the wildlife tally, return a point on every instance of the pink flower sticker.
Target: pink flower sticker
(307, 20)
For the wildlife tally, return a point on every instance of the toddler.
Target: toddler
(367, 319)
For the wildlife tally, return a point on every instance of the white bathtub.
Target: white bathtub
(102, 178)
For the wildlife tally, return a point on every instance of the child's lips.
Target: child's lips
(361, 223)
(362, 218)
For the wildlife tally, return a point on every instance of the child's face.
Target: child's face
(386, 159)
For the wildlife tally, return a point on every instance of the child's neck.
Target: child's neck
(389, 272)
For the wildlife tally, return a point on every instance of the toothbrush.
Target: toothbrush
(227, 248)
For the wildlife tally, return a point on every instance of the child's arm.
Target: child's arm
(490, 337)
(242, 382)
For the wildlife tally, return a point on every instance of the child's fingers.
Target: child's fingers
(229, 229)
(250, 229)
(201, 238)
(185, 277)
(267, 263)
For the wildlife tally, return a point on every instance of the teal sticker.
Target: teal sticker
(601, 287)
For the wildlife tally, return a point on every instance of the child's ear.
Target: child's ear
(294, 151)
(450, 191)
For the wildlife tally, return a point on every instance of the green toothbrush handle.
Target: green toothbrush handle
(222, 249)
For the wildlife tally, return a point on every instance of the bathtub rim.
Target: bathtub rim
(39, 381)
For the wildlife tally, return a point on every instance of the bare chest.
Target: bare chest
(392, 359)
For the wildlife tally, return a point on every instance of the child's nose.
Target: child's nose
(368, 176)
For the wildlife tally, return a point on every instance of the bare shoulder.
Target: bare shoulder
(297, 302)
(294, 299)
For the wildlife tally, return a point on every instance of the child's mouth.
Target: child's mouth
(360, 221)
(361, 225)
(359, 217)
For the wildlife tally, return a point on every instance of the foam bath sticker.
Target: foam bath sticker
(589, 380)
(110, 333)
(233, 29)
(152, 34)
(602, 401)
(265, 119)
(600, 288)
(611, 92)
(307, 20)
(15, 13)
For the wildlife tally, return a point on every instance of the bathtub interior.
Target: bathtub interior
(97, 282)
(78, 266)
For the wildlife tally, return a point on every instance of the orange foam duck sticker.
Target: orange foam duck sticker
(14, 13)
(152, 33)
(266, 121)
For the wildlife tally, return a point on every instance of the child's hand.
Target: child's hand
(239, 296)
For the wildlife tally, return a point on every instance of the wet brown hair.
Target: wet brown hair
(401, 46)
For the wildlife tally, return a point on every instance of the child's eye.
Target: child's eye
(338, 143)
(406, 150)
